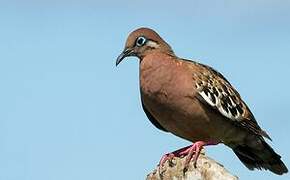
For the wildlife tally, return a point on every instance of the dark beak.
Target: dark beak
(125, 53)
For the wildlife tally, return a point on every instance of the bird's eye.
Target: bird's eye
(141, 41)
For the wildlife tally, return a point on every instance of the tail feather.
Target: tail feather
(260, 156)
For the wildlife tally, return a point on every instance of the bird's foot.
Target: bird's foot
(192, 152)
(169, 156)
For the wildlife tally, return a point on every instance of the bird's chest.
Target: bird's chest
(162, 87)
(164, 82)
(177, 115)
(168, 99)
(159, 92)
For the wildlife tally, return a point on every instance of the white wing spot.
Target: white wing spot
(207, 98)
(233, 103)
(227, 114)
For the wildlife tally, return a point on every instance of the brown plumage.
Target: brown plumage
(195, 102)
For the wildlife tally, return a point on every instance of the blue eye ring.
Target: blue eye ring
(140, 41)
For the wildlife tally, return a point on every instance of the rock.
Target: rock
(207, 169)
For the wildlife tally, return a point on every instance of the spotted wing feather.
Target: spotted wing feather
(214, 90)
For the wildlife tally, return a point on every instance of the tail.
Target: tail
(260, 156)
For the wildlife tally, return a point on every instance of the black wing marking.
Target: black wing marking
(152, 119)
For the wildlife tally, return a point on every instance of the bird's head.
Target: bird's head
(141, 42)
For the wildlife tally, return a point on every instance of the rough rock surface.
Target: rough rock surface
(207, 169)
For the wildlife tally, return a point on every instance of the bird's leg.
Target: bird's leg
(192, 152)
(169, 156)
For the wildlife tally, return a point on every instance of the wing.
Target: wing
(152, 119)
(214, 90)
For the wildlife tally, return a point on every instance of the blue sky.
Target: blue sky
(66, 111)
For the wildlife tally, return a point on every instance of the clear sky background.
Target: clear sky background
(66, 111)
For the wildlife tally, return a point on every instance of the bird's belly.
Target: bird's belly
(181, 116)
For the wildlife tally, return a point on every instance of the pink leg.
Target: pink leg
(192, 152)
(177, 153)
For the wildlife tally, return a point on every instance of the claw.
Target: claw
(166, 157)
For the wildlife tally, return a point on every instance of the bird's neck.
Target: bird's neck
(155, 62)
